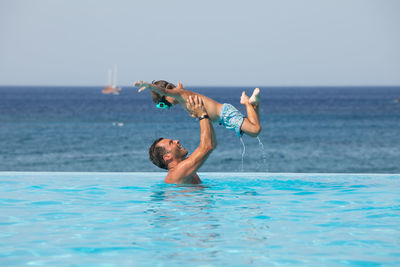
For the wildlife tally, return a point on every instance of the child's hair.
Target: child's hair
(163, 84)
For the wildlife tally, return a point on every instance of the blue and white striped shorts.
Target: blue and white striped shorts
(231, 119)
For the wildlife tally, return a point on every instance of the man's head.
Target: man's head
(166, 85)
(163, 151)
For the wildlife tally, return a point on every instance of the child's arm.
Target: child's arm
(177, 91)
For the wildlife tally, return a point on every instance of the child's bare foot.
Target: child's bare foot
(244, 99)
(255, 97)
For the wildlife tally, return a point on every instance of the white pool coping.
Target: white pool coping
(214, 174)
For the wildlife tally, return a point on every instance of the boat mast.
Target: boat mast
(114, 84)
(109, 77)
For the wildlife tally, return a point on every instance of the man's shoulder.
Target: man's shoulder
(177, 177)
(169, 181)
(172, 177)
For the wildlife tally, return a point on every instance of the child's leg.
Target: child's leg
(255, 100)
(213, 107)
(251, 125)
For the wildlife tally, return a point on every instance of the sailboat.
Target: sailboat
(111, 86)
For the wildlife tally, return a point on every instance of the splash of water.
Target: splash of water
(244, 150)
(263, 153)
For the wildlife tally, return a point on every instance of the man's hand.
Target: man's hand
(196, 107)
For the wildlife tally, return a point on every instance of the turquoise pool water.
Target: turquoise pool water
(233, 219)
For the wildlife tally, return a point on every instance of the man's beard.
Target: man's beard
(182, 154)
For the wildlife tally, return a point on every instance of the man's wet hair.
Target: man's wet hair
(156, 154)
(163, 84)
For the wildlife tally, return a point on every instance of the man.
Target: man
(169, 154)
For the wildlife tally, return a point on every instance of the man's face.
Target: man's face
(173, 147)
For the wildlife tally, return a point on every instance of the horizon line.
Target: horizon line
(233, 86)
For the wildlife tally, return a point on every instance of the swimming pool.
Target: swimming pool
(232, 219)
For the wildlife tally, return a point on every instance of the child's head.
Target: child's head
(163, 84)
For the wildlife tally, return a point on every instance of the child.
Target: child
(226, 114)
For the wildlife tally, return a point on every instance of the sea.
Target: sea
(305, 130)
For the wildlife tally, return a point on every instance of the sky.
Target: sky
(205, 43)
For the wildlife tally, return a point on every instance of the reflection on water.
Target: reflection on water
(184, 218)
(206, 218)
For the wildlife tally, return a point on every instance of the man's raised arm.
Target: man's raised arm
(208, 141)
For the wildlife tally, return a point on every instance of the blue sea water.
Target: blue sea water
(232, 219)
(305, 129)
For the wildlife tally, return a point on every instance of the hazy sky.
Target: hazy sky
(208, 42)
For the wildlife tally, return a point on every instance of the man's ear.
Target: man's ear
(180, 86)
(167, 157)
